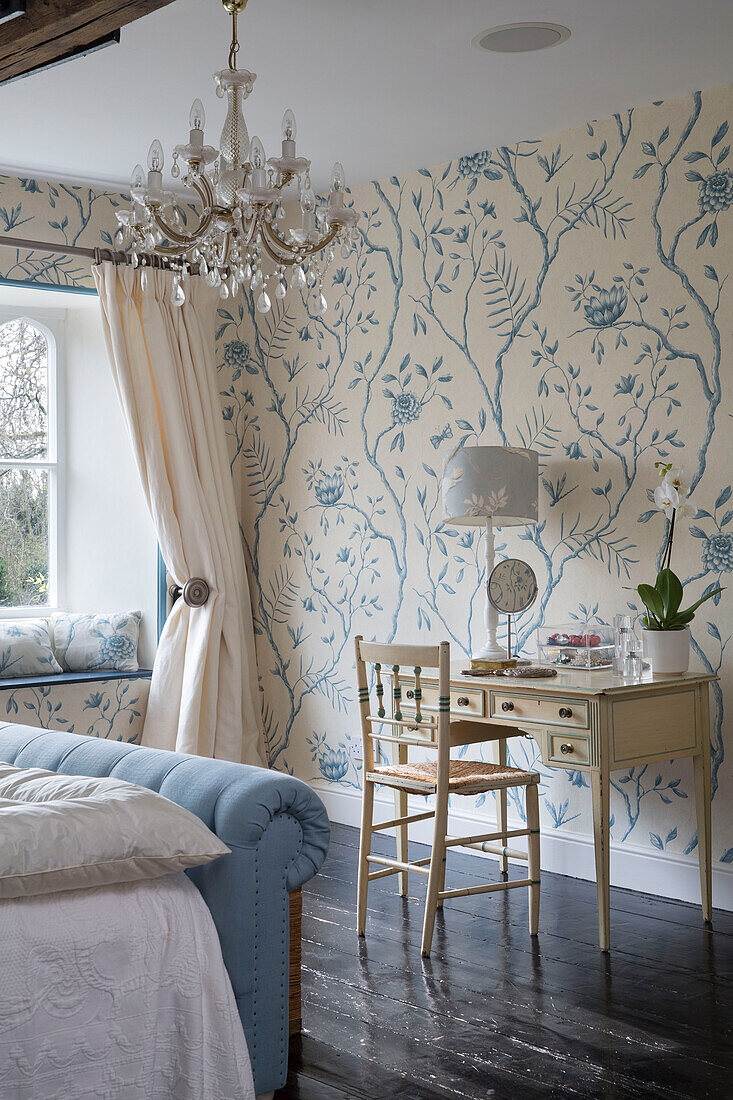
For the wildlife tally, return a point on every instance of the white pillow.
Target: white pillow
(26, 648)
(83, 643)
(66, 832)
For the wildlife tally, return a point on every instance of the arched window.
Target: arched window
(28, 464)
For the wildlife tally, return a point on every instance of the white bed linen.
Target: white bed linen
(118, 992)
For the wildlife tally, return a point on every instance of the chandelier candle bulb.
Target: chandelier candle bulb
(137, 183)
(196, 121)
(289, 130)
(308, 211)
(338, 177)
(258, 176)
(156, 159)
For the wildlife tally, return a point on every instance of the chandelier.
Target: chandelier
(240, 191)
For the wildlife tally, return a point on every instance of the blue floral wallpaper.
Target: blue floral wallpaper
(56, 212)
(571, 294)
(114, 709)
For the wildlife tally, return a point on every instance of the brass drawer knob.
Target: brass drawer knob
(565, 712)
(410, 694)
(463, 701)
(565, 748)
(506, 706)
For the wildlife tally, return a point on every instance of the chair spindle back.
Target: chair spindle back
(431, 730)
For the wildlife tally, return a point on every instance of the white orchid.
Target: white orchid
(676, 476)
(667, 499)
(671, 498)
(685, 509)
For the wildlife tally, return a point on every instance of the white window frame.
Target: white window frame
(51, 322)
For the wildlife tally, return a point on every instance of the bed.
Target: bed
(278, 832)
(120, 992)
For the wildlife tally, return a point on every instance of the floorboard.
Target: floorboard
(495, 1014)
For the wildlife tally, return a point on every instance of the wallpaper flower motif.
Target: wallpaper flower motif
(606, 307)
(717, 554)
(562, 295)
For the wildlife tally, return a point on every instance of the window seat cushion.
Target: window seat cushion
(26, 649)
(94, 642)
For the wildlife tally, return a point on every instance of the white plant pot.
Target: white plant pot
(668, 650)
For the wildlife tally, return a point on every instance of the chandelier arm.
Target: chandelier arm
(173, 234)
(254, 222)
(245, 238)
(191, 239)
(279, 241)
(324, 241)
(283, 179)
(304, 250)
(287, 260)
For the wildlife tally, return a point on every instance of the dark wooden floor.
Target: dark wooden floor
(495, 1014)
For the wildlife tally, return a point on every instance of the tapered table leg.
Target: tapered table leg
(701, 766)
(601, 789)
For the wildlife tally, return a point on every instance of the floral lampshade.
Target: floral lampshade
(490, 482)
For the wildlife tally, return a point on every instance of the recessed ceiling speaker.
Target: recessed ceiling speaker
(521, 37)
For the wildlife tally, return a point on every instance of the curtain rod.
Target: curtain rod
(94, 254)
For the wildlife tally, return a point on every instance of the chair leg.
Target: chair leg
(500, 797)
(437, 870)
(533, 851)
(400, 803)
(439, 902)
(365, 846)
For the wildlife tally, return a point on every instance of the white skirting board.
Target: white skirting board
(665, 875)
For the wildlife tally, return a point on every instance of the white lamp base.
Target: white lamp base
(490, 650)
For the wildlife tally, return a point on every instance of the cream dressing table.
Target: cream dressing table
(592, 722)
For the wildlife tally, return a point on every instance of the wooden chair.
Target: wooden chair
(440, 778)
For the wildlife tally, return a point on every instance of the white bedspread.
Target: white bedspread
(118, 992)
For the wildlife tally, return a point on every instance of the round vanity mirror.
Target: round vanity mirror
(512, 586)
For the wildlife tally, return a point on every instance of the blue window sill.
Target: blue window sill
(74, 678)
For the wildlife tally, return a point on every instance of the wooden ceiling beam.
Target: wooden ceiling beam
(49, 30)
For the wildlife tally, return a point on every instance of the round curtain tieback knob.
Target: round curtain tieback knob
(195, 592)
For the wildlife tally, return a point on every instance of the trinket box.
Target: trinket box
(576, 645)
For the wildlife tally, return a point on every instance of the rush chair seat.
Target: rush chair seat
(439, 778)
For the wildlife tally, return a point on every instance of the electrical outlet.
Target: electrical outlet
(355, 750)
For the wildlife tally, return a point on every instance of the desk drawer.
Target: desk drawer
(569, 749)
(464, 702)
(545, 710)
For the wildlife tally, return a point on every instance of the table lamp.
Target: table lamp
(483, 486)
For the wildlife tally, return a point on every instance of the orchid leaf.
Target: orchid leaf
(652, 600)
(693, 607)
(669, 588)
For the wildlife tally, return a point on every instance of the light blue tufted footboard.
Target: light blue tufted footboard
(278, 831)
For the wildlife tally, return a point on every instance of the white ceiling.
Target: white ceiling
(383, 85)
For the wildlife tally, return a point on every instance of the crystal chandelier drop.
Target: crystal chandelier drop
(240, 191)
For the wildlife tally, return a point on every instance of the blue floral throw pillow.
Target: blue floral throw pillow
(26, 648)
(85, 643)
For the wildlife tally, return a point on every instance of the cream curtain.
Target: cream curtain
(204, 695)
